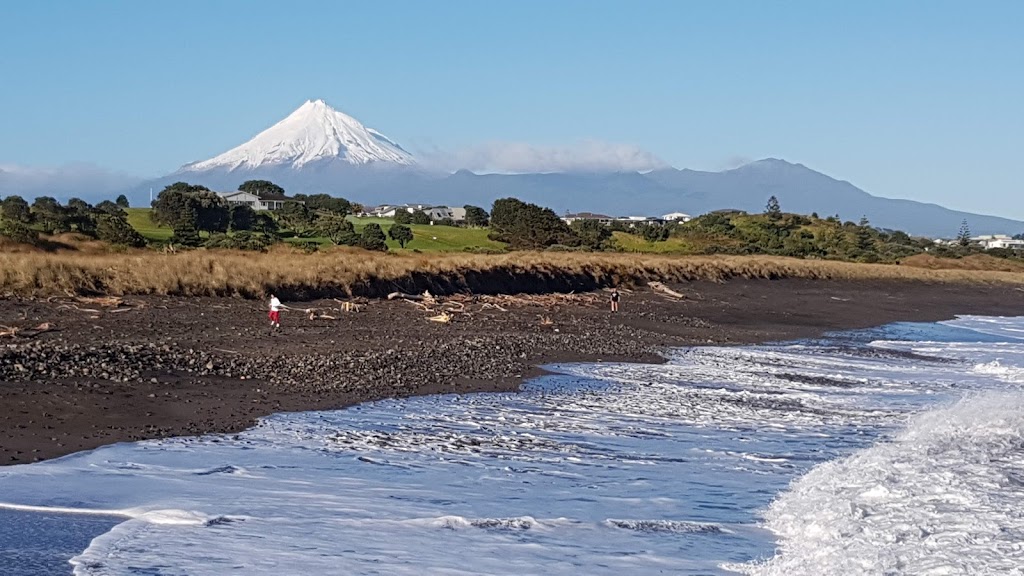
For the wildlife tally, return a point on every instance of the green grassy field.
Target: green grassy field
(425, 238)
(139, 219)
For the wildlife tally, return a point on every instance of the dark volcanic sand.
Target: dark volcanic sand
(178, 366)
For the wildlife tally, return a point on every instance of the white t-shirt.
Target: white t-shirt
(275, 304)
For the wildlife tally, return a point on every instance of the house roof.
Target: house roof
(263, 196)
(272, 196)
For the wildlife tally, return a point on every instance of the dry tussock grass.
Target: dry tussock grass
(356, 272)
(972, 262)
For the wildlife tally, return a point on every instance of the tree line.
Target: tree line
(23, 222)
(198, 217)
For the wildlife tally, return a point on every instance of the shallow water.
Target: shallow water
(893, 450)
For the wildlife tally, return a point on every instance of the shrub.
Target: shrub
(18, 232)
(117, 231)
(338, 229)
(185, 234)
(373, 238)
(401, 234)
(420, 217)
(243, 240)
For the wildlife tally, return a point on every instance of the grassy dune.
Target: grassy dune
(341, 272)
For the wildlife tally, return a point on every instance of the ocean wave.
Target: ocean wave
(942, 497)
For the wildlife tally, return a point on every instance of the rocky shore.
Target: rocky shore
(143, 367)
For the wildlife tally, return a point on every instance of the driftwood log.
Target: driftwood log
(659, 287)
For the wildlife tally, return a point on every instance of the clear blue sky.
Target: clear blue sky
(913, 99)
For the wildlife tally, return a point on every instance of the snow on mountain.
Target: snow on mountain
(313, 132)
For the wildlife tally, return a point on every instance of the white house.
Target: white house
(603, 219)
(676, 217)
(264, 201)
(389, 210)
(991, 241)
(637, 220)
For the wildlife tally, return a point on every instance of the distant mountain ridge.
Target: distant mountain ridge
(317, 149)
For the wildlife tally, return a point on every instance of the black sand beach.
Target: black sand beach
(153, 367)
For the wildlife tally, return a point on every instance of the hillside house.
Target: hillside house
(603, 219)
(389, 210)
(262, 201)
(677, 217)
(991, 241)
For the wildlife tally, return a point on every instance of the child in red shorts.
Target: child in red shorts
(275, 312)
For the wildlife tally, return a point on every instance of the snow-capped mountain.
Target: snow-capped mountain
(312, 133)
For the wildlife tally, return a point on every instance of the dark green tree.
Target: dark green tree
(403, 216)
(108, 207)
(16, 209)
(264, 223)
(527, 226)
(116, 230)
(325, 203)
(338, 229)
(51, 217)
(259, 187)
(864, 238)
(296, 217)
(242, 218)
(82, 216)
(204, 209)
(185, 233)
(592, 234)
(401, 234)
(963, 236)
(373, 238)
(772, 209)
(476, 217)
(176, 203)
(122, 201)
(420, 217)
(214, 214)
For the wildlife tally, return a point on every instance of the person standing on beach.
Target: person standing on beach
(615, 300)
(275, 312)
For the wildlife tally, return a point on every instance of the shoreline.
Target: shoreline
(152, 367)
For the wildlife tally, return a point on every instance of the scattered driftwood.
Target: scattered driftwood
(665, 290)
(102, 301)
(503, 302)
(546, 321)
(443, 318)
(26, 332)
(403, 296)
(350, 305)
(425, 297)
